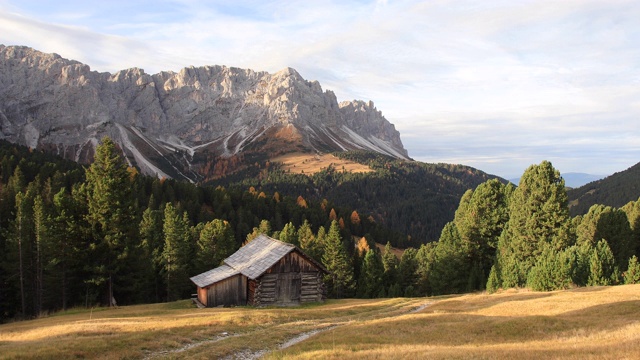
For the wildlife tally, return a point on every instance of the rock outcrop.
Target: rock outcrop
(163, 121)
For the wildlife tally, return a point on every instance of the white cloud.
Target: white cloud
(495, 85)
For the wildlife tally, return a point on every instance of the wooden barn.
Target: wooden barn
(263, 272)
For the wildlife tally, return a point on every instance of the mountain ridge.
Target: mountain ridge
(174, 124)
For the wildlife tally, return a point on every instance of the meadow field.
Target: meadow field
(582, 323)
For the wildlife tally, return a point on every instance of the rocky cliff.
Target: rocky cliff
(167, 121)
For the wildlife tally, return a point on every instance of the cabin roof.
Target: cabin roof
(251, 260)
(214, 275)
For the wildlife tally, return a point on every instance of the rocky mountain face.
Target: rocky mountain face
(176, 124)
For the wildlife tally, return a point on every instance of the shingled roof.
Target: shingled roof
(251, 260)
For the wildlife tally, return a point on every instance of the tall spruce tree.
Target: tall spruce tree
(175, 254)
(370, 280)
(111, 216)
(336, 261)
(539, 217)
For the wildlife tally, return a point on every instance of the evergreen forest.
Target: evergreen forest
(76, 236)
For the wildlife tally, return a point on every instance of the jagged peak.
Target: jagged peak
(216, 109)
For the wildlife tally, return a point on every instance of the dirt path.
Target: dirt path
(395, 310)
(252, 355)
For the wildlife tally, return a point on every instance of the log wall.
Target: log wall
(292, 280)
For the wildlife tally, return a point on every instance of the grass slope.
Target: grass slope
(600, 322)
(305, 163)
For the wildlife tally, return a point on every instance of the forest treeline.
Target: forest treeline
(504, 237)
(409, 197)
(80, 236)
(84, 236)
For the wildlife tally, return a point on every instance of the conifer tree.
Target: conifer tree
(289, 234)
(175, 252)
(480, 219)
(450, 270)
(370, 280)
(632, 275)
(538, 217)
(308, 241)
(215, 243)
(602, 265)
(263, 228)
(336, 261)
(111, 215)
(605, 222)
(390, 263)
(407, 268)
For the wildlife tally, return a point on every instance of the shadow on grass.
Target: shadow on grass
(457, 328)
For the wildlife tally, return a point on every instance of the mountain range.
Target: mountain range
(179, 124)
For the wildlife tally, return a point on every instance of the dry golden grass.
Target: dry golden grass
(159, 330)
(299, 163)
(585, 323)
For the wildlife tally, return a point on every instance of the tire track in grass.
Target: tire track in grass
(253, 355)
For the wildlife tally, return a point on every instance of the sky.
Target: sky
(497, 85)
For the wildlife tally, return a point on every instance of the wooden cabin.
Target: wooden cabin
(263, 272)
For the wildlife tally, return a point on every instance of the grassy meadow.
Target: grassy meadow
(304, 163)
(583, 323)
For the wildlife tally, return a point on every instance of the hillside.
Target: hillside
(615, 190)
(412, 198)
(600, 322)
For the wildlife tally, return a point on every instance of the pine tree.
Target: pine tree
(552, 271)
(538, 217)
(480, 219)
(336, 261)
(450, 270)
(263, 228)
(407, 276)
(111, 215)
(215, 243)
(370, 280)
(289, 234)
(174, 254)
(632, 275)
(605, 222)
(602, 265)
(390, 263)
(308, 241)
(493, 282)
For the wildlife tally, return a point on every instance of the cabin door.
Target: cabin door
(288, 288)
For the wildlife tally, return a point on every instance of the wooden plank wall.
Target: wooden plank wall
(228, 292)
